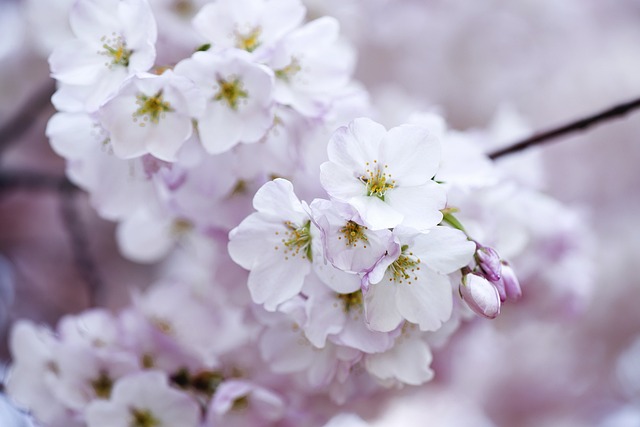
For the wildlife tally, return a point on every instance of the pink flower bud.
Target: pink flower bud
(511, 284)
(499, 284)
(489, 262)
(480, 295)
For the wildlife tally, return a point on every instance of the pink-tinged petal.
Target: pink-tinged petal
(220, 128)
(280, 17)
(268, 404)
(144, 238)
(354, 145)
(427, 301)
(408, 362)
(102, 413)
(339, 182)
(165, 138)
(380, 308)
(273, 282)
(215, 30)
(278, 199)
(139, 30)
(227, 393)
(106, 86)
(411, 153)
(443, 249)
(73, 135)
(254, 239)
(256, 125)
(480, 295)
(376, 214)
(76, 63)
(92, 19)
(356, 334)
(420, 205)
(286, 350)
(325, 316)
(257, 80)
(323, 368)
(128, 138)
(337, 279)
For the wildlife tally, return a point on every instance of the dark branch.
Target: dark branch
(22, 120)
(80, 245)
(33, 181)
(579, 125)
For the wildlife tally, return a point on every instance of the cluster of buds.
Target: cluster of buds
(489, 284)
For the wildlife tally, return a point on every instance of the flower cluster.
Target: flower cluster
(302, 267)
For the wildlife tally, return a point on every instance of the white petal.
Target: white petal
(354, 145)
(444, 249)
(380, 307)
(420, 205)
(277, 198)
(408, 362)
(339, 182)
(427, 301)
(166, 137)
(273, 282)
(281, 16)
(412, 154)
(375, 213)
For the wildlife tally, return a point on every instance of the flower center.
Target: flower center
(404, 267)
(115, 48)
(142, 418)
(289, 71)
(377, 181)
(350, 301)
(102, 385)
(240, 404)
(151, 108)
(353, 233)
(249, 41)
(297, 239)
(230, 91)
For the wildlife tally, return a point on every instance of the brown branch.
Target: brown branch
(21, 121)
(578, 125)
(78, 238)
(33, 181)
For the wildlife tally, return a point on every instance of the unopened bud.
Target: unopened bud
(480, 295)
(499, 284)
(489, 262)
(511, 283)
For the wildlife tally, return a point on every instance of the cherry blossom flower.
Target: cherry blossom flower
(411, 283)
(348, 244)
(305, 79)
(152, 114)
(274, 244)
(251, 25)
(143, 400)
(114, 39)
(385, 175)
(239, 98)
(240, 403)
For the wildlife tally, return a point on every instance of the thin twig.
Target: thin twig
(578, 125)
(80, 245)
(22, 120)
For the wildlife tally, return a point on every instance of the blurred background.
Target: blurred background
(539, 63)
